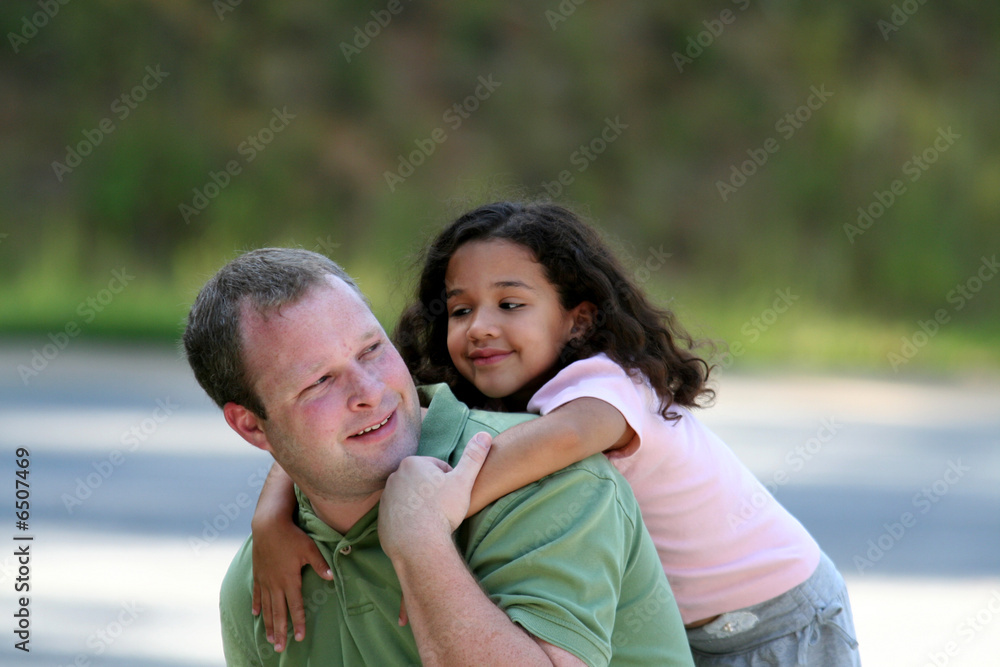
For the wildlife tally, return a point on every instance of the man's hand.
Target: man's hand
(426, 495)
(453, 621)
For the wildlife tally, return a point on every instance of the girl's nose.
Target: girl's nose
(482, 326)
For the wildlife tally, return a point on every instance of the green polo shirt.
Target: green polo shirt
(566, 557)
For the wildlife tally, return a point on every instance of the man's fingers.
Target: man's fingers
(473, 458)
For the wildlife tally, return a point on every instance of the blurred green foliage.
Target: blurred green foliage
(367, 91)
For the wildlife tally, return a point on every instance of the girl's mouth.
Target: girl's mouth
(488, 357)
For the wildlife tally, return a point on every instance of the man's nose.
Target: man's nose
(366, 389)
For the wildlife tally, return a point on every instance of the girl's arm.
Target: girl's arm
(529, 451)
(280, 550)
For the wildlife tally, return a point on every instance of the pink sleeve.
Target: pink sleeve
(596, 377)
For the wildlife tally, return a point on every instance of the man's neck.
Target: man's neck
(341, 516)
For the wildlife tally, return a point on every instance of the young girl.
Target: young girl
(522, 307)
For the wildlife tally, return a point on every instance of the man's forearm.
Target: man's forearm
(453, 620)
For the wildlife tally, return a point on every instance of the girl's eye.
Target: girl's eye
(459, 312)
(510, 306)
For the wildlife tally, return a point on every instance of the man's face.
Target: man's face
(342, 409)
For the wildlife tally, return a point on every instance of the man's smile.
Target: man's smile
(378, 427)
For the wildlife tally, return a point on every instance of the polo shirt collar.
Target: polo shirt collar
(321, 532)
(444, 423)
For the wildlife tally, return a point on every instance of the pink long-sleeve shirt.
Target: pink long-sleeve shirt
(724, 541)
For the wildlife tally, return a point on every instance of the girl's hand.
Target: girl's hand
(280, 551)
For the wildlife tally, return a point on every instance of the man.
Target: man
(560, 572)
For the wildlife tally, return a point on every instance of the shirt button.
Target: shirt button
(345, 551)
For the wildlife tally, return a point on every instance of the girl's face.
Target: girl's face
(506, 324)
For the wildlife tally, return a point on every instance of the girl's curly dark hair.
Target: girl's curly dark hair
(636, 334)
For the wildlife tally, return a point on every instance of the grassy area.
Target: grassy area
(758, 336)
(808, 338)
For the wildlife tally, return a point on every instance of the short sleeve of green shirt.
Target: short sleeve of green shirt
(567, 558)
(238, 639)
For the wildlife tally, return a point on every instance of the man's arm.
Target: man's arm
(453, 620)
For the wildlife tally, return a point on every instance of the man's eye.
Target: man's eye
(321, 380)
(374, 347)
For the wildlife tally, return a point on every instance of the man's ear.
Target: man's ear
(583, 319)
(247, 424)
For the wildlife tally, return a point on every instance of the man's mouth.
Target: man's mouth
(373, 427)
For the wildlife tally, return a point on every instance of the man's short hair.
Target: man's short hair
(265, 279)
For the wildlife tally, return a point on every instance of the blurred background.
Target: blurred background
(385, 133)
(814, 187)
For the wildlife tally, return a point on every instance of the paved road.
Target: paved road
(141, 494)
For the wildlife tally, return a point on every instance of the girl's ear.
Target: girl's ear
(583, 319)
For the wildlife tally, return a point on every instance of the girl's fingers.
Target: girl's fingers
(279, 614)
(298, 613)
(265, 610)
